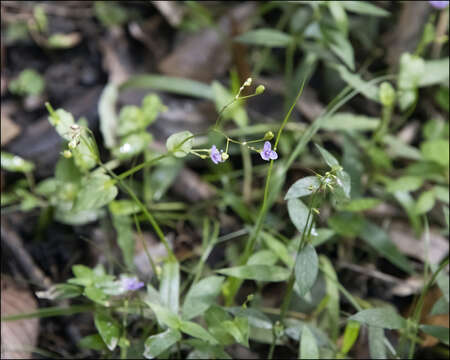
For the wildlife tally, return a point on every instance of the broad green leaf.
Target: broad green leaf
(235, 111)
(350, 335)
(361, 204)
(435, 72)
(11, 162)
(411, 70)
(151, 107)
(195, 330)
(278, 248)
(320, 236)
(440, 307)
(326, 155)
(263, 257)
(84, 154)
(131, 119)
(107, 114)
(123, 207)
(425, 202)
(169, 287)
(255, 317)
(29, 82)
(385, 318)
(215, 318)
(364, 8)
(157, 344)
(62, 120)
(163, 175)
(405, 183)
(380, 241)
(164, 315)
(257, 272)
(93, 342)
(82, 271)
(295, 327)
(180, 143)
(439, 332)
(96, 294)
(266, 37)
(108, 328)
(201, 296)
(303, 187)
(340, 16)
(308, 347)
(170, 84)
(238, 329)
(298, 213)
(350, 122)
(132, 145)
(437, 151)
(125, 238)
(397, 148)
(376, 343)
(306, 269)
(333, 309)
(369, 90)
(96, 191)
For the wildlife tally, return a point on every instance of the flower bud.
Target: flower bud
(72, 144)
(387, 94)
(268, 135)
(67, 154)
(248, 82)
(260, 89)
(225, 156)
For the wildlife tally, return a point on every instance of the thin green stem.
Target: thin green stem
(127, 173)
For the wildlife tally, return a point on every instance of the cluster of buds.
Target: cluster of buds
(75, 138)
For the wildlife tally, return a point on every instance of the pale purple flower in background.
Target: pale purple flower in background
(131, 283)
(216, 156)
(439, 4)
(267, 153)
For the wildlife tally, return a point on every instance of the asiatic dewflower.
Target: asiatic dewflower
(267, 153)
(131, 283)
(215, 155)
(439, 4)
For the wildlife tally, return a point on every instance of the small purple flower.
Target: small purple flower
(439, 4)
(216, 156)
(267, 153)
(131, 283)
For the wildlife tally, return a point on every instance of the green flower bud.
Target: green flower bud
(268, 135)
(225, 156)
(387, 94)
(67, 154)
(260, 89)
(72, 144)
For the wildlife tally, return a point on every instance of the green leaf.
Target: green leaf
(235, 111)
(201, 296)
(436, 150)
(29, 82)
(380, 241)
(439, 332)
(63, 41)
(11, 162)
(340, 16)
(369, 90)
(425, 202)
(95, 294)
(165, 316)
(108, 328)
(125, 238)
(411, 70)
(93, 342)
(376, 343)
(215, 318)
(180, 143)
(440, 307)
(435, 72)
(308, 347)
(350, 335)
(306, 269)
(266, 37)
(397, 148)
(298, 213)
(331, 282)
(443, 282)
(364, 8)
(385, 318)
(329, 159)
(60, 291)
(195, 330)
(174, 85)
(62, 121)
(346, 224)
(238, 329)
(263, 257)
(350, 122)
(132, 145)
(278, 248)
(82, 271)
(361, 204)
(342, 48)
(123, 207)
(405, 183)
(110, 13)
(131, 119)
(157, 344)
(169, 287)
(107, 114)
(96, 191)
(151, 107)
(257, 272)
(303, 187)
(83, 155)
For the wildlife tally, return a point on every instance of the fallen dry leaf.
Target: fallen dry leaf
(9, 129)
(18, 337)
